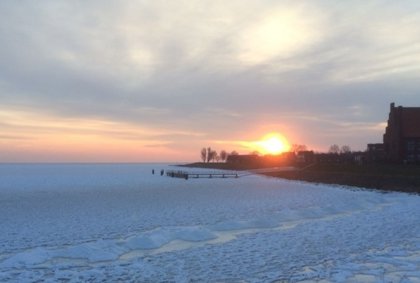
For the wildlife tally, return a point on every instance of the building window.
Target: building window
(411, 146)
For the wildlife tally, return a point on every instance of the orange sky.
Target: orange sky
(30, 137)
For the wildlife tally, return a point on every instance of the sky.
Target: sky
(156, 81)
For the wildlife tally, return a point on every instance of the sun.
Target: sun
(273, 144)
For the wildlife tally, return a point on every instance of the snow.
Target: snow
(118, 222)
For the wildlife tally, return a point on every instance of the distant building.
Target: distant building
(305, 157)
(375, 152)
(402, 134)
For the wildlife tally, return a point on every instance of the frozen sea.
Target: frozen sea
(120, 223)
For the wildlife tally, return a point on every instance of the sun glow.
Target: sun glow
(273, 144)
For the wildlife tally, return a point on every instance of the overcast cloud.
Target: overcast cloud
(179, 75)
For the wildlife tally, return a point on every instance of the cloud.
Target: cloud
(210, 71)
(283, 32)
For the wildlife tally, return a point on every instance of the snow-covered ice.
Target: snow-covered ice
(96, 223)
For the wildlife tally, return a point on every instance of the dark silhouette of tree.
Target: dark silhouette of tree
(211, 154)
(255, 152)
(234, 153)
(345, 149)
(203, 154)
(208, 154)
(298, 147)
(223, 155)
(334, 149)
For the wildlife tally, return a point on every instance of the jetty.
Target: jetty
(227, 174)
(208, 175)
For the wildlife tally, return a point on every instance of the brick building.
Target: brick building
(375, 152)
(402, 134)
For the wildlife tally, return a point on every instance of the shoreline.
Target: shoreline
(383, 177)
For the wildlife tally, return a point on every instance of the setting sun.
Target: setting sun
(273, 144)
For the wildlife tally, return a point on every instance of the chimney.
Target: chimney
(392, 105)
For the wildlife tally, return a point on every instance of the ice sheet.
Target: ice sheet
(119, 222)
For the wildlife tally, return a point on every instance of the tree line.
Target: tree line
(208, 155)
(336, 149)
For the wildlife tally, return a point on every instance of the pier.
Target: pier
(228, 174)
(187, 175)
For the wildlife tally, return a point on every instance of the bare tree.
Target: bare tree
(234, 153)
(255, 152)
(223, 155)
(298, 147)
(345, 149)
(211, 155)
(216, 157)
(203, 154)
(208, 154)
(334, 149)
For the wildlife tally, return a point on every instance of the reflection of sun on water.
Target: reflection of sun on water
(273, 144)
